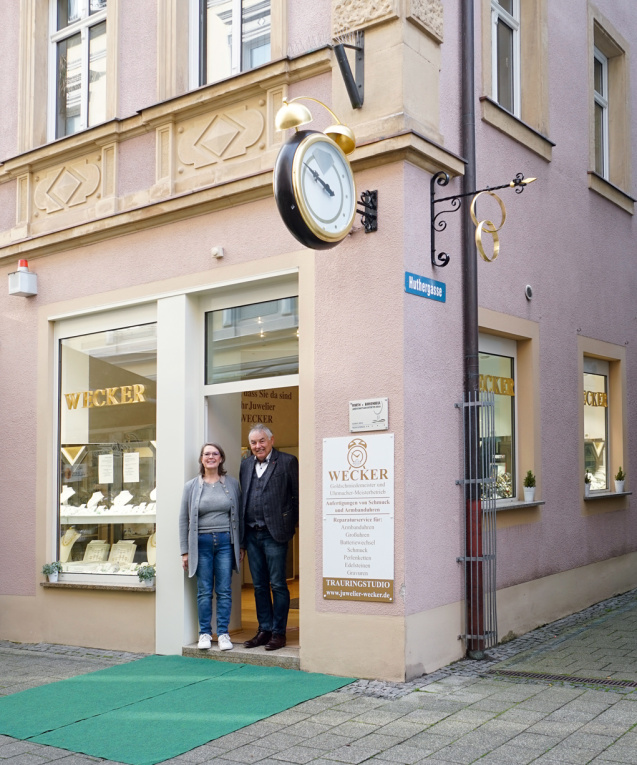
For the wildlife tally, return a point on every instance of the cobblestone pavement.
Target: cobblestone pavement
(464, 713)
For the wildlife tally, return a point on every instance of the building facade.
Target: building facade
(137, 151)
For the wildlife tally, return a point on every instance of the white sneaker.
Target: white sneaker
(223, 641)
(205, 641)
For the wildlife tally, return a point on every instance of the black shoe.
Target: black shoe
(275, 642)
(261, 638)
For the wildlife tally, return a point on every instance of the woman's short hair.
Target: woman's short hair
(221, 469)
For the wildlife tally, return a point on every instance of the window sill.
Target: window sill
(87, 586)
(519, 505)
(606, 495)
(611, 192)
(505, 122)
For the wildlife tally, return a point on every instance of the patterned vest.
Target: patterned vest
(254, 506)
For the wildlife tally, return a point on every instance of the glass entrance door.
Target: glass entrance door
(229, 419)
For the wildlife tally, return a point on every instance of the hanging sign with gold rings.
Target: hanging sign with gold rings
(488, 226)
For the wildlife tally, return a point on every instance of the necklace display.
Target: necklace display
(70, 535)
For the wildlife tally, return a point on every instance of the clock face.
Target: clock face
(314, 189)
(324, 187)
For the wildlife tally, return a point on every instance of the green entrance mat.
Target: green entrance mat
(155, 708)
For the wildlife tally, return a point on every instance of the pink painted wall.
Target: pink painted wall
(137, 52)
(9, 43)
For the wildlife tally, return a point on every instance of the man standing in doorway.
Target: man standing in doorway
(270, 495)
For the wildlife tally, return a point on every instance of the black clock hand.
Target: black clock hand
(318, 178)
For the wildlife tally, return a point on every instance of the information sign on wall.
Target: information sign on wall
(358, 518)
(368, 414)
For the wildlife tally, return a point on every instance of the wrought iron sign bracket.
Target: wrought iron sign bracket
(369, 216)
(441, 178)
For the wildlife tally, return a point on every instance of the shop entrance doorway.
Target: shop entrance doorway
(229, 418)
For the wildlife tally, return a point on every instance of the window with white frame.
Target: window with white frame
(505, 52)
(600, 94)
(497, 363)
(78, 65)
(228, 37)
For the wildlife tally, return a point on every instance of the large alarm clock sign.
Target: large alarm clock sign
(314, 189)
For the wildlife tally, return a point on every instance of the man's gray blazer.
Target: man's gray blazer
(280, 493)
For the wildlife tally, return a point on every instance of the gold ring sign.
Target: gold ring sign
(488, 226)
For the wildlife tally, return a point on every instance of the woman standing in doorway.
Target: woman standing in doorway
(210, 530)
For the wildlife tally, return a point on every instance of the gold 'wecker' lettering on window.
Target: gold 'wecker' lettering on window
(591, 398)
(501, 386)
(126, 394)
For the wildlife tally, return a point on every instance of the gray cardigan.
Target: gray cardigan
(189, 519)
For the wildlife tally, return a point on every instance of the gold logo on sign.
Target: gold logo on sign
(357, 454)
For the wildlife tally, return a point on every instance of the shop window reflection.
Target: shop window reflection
(595, 401)
(252, 341)
(497, 377)
(107, 452)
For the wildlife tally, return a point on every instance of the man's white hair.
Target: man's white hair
(260, 428)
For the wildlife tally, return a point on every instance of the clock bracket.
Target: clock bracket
(369, 215)
(354, 83)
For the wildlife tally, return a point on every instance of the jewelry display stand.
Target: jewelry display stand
(151, 549)
(69, 538)
(122, 552)
(96, 551)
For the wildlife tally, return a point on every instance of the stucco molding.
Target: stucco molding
(350, 15)
(407, 146)
(428, 15)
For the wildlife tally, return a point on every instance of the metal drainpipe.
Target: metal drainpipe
(474, 585)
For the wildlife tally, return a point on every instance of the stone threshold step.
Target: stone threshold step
(287, 657)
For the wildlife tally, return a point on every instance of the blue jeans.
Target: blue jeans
(214, 567)
(267, 559)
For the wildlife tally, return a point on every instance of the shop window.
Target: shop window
(78, 76)
(228, 37)
(596, 406)
(107, 453)
(505, 41)
(252, 341)
(497, 376)
(610, 107)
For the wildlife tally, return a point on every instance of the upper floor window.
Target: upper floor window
(600, 88)
(78, 47)
(505, 52)
(228, 37)
(609, 104)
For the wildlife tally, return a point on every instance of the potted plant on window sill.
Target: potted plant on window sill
(146, 574)
(620, 478)
(587, 484)
(51, 570)
(529, 486)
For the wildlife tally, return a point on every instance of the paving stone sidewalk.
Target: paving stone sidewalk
(463, 713)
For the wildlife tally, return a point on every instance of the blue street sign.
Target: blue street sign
(428, 288)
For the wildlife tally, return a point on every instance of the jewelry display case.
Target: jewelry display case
(107, 507)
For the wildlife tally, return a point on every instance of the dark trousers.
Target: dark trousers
(267, 559)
